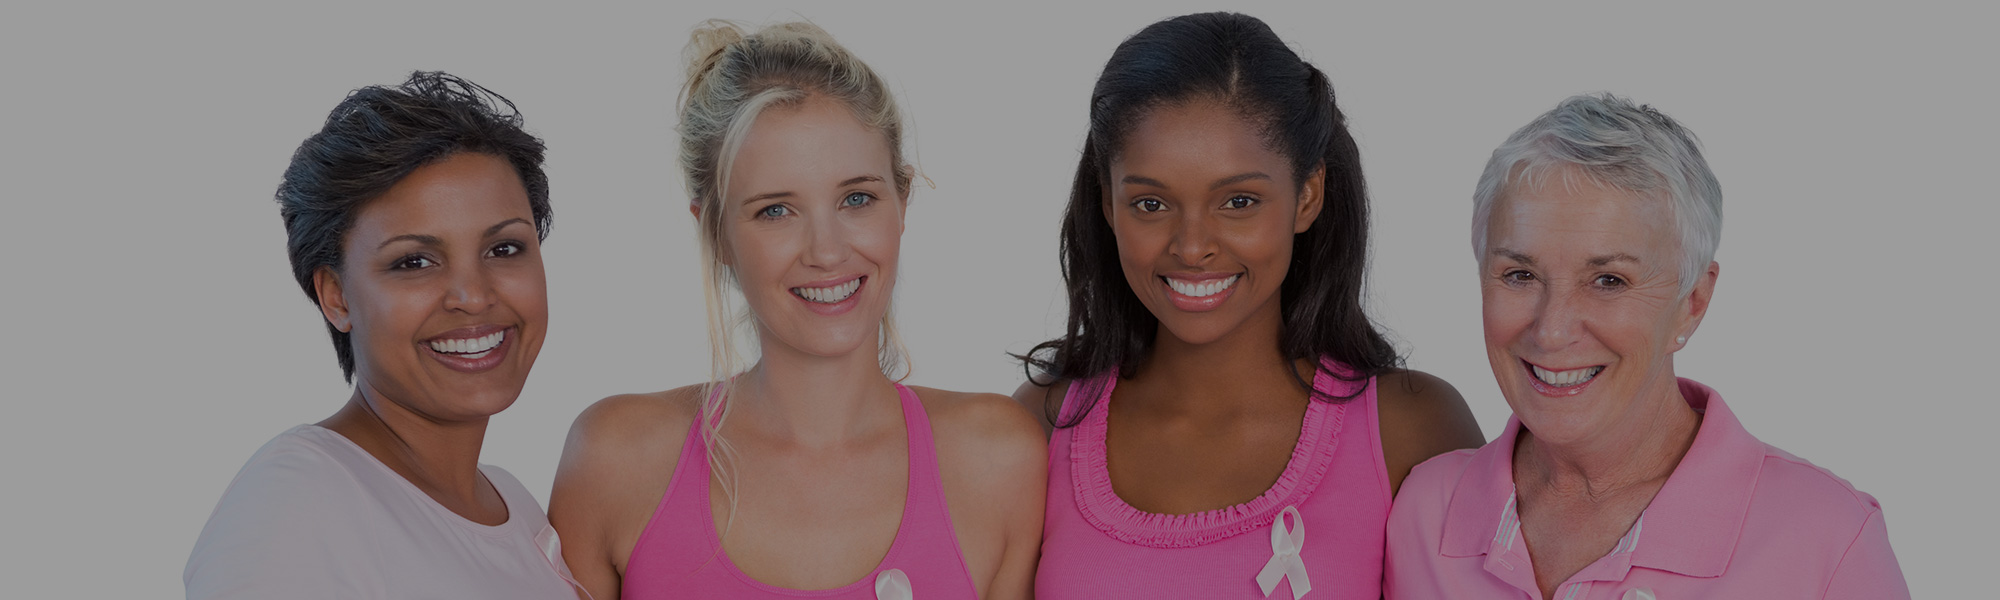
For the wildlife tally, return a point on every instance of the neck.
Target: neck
(1201, 374)
(815, 401)
(1641, 448)
(431, 453)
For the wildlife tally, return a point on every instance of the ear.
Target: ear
(1695, 305)
(694, 208)
(1312, 198)
(332, 300)
(903, 195)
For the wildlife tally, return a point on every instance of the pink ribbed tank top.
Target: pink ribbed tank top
(679, 555)
(1333, 497)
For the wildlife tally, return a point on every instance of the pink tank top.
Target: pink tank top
(1320, 526)
(679, 554)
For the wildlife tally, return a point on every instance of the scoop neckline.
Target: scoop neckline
(495, 530)
(907, 398)
(1100, 505)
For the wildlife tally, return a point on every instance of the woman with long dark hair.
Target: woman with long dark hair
(1219, 390)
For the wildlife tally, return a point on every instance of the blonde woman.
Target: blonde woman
(813, 472)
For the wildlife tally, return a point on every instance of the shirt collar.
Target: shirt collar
(1691, 525)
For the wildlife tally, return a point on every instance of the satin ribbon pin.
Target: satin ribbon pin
(551, 547)
(893, 585)
(1285, 562)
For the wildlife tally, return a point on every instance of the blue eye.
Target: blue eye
(1149, 205)
(773, 211)
(1239, 202)
(856, 199)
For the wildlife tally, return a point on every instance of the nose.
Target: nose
(471, 290)
(827, 242)
(1558, 320)
(1194, 239)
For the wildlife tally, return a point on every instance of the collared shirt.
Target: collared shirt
(1736, 519)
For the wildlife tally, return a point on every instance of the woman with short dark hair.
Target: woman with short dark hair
(1220, 391)
(414, 221)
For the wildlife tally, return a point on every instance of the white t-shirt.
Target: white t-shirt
(314, 516)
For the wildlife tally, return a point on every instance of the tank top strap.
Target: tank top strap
(926, 480)
(1086, 394)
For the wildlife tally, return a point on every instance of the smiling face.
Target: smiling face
(812, 226)
(1580, 296)
(442, 290)
(1204, 213)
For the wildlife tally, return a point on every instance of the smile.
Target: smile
(1563, 383)
(1202, 289)
(473, 348)
(832, 294)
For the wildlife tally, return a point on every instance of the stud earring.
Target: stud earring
(1681, 339)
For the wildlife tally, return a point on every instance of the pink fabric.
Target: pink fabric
(679, 554)
(1737, 519)
(1095, 545)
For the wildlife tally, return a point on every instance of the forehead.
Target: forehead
(1197, 139)
(814, 143)
(1566, 214)
(464, 190)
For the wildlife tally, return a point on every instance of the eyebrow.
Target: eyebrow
(432, 240)
(1219, 183)
(1599, 261)
(1513, 255)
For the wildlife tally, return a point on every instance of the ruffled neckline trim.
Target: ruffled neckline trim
(1319, 436)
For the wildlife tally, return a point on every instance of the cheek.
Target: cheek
(526, 291)
(1504, 314)
(386, 314)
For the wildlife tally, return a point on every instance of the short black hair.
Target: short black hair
(1235, 59)
(373, 139)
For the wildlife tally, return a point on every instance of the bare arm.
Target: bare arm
(1421, 417)
(615, 467)
(995, 468)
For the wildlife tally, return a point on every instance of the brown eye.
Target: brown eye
(412, 263)
(1239, 202)
(505, 249)
(1149, 205)
(1517, 276)
(1609, 281)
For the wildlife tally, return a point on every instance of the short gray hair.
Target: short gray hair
(1616, 144)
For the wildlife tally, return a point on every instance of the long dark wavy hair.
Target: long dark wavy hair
(1238, 60)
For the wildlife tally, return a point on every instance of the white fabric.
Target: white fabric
(314, 516)
(893, 585)
(1285, 562)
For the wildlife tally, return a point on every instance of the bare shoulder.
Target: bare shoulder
(637, 421)
(1421, 416)
(992, 421)
(1042, 401)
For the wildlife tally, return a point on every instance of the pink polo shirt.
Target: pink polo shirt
(1737, 519)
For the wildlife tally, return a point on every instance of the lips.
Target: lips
(1561, 383)
(1199, 292)
(471, 349)
(832, 297)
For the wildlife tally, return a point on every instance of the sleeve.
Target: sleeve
(1868, 569)
(285, 528)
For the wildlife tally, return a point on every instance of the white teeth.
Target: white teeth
(831, 294)
(1201, 290)
(1566, 378)
(472, 347)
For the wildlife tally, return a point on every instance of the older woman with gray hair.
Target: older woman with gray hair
(1595, 228)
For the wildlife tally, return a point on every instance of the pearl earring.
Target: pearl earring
(1681, 339)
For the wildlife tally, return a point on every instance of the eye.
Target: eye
(775, 211)
(1517, 276)
(857, 199)
(1239, 203)
(412, 263)
(1149, 205)
(505, 249)
(1608, 280)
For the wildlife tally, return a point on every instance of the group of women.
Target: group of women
(1220, 418)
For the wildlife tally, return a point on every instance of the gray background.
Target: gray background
(153, 337)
